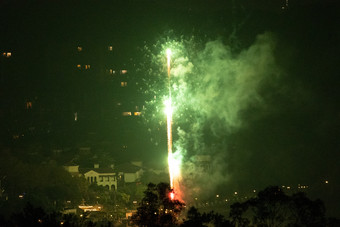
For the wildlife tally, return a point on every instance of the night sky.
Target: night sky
(289, 134)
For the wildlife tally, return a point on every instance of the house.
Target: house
(109, 177)
(73, 169)
(101, 176)
(129, 172)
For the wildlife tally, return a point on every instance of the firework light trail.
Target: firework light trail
(169, 122)
(206, 88)
(174, 165)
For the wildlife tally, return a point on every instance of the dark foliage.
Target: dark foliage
(195, 218)
(156, 208)
(272, 207)
(35, 216)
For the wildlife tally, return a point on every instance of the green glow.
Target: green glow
(210, 86)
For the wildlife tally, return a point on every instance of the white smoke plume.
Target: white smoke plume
(212, 87)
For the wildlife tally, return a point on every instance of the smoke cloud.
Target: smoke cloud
(211, 87)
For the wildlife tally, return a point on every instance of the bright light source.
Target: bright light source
(168, 109)
(172, 195)
(168, 52)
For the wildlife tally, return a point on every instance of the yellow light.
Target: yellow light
(174, 166)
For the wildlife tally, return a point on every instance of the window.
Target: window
(79, 66)
(111, 71)
(124, 71)
(137, 113)
(79, 48)
(127, 114)
(110, 48)
(87, 66)
(7, 54)
(123, 84)
(28, 105)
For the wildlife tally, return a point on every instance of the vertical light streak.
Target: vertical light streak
(169, 123)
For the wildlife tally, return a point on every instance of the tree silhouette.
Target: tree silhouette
(156, 208)
(307, 212)
(272, 207)
(196, 219)
(35, 216)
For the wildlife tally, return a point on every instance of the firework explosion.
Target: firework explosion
(210, 86)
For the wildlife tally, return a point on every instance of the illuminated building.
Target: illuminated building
(105, 177)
